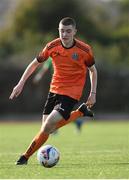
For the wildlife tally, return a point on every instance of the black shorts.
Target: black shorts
(63, 104)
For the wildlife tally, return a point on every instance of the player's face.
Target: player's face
(67, 34)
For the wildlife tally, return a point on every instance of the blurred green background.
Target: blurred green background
(27, 25)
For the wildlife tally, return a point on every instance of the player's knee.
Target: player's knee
(48, 127)
(53, 130)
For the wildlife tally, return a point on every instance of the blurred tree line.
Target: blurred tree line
(36, 22)
(104, 25)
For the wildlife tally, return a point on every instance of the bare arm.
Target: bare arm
(29, 70)
(93, 79)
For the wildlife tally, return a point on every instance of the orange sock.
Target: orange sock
(37, 142)
(41, 137)
(74, 115)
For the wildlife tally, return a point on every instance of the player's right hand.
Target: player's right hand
(16, 91)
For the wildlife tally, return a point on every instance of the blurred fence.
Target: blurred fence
(112, 92)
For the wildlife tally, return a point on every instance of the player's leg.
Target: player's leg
(47, 128)
(44, 117)
(40, 137)
(63, 107)
(57, 118)
(81, 111)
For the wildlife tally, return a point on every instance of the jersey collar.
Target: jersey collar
(69, 47)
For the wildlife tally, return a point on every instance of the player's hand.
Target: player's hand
(16, 91)
(91, 100)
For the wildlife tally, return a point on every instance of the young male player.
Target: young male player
(47, 65)
(71, 59)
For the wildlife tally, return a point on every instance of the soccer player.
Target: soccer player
(71, 59)
(41, 73)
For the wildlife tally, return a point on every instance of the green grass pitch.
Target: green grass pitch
(101, 151)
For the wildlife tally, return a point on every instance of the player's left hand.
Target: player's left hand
(91, 100)
(16, 90)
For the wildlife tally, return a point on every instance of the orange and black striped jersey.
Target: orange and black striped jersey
(70, 66)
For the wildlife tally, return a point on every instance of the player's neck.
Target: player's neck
(68, 45)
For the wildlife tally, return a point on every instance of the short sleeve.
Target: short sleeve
(89, 58)
(43, 55)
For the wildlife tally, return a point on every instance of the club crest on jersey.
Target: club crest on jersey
(75, 56)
